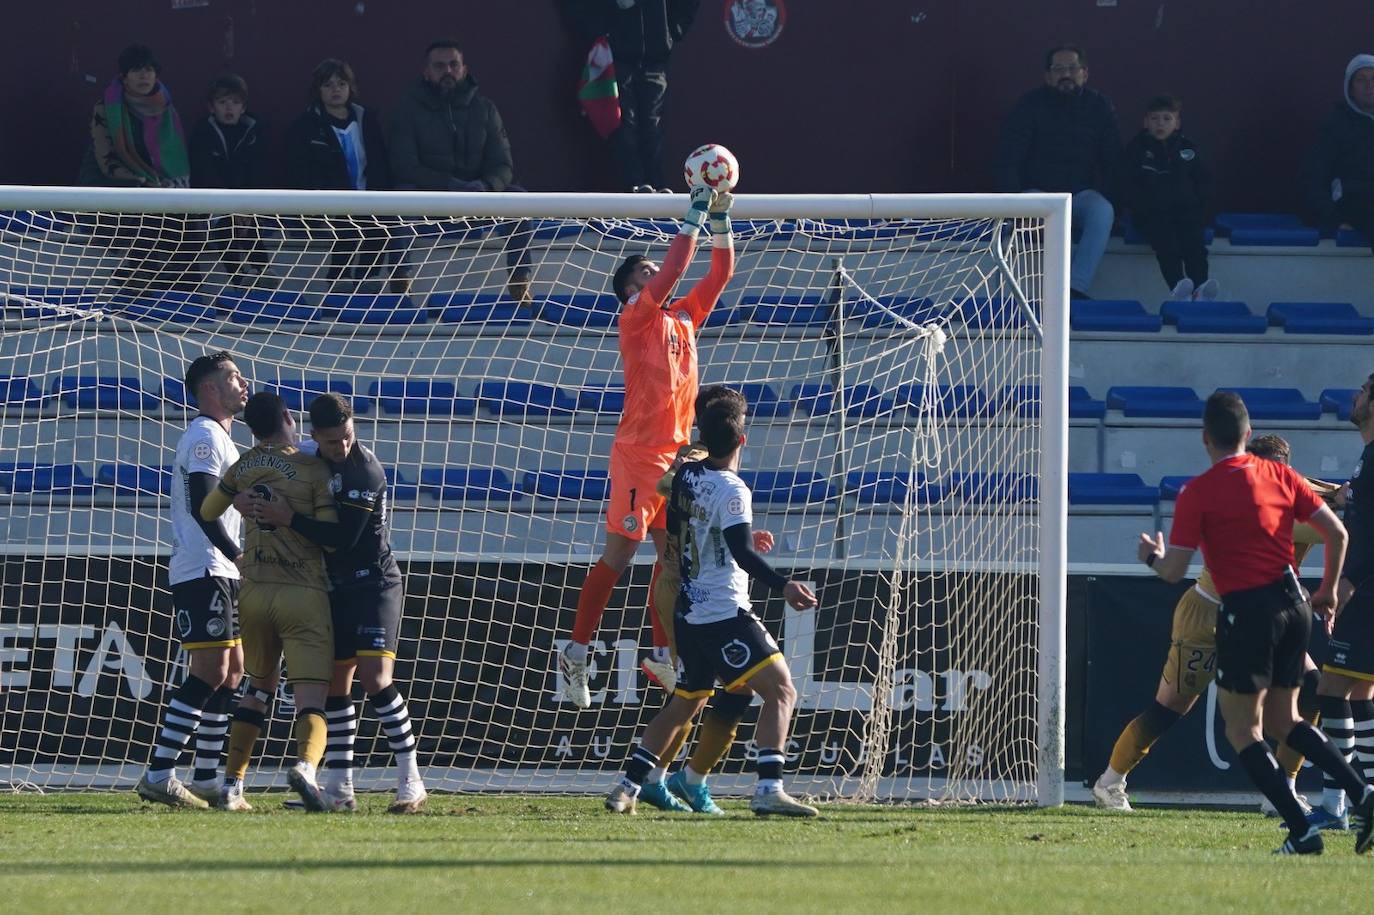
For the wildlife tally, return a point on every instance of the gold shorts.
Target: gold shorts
(1192, 663)
(277, 620)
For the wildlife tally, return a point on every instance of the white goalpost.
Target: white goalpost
(905, 362)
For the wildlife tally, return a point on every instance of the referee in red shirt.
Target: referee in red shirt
(1241, 514)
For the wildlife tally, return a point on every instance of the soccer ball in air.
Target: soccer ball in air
(711, 166)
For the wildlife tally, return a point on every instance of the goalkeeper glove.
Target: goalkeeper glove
(702, 198)
(720, 213)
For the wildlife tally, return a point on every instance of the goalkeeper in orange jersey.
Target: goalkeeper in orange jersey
(659, 354)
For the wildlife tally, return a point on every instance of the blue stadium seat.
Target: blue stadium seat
(20, 391)
(583, 309)
(763, 401)
(401, 487)
(420, 396)
(298, 392)
(609, 398)
(468, 484)
(1155, 401)
(1204, 317)
(1320, 318)
(1133, 236)
(891, 310)
(881, 487)
(1351, 238)
(378, 308)
(480, 308)
(981, 311)
(522, 398)
(962, 400)
(135, 479)
(29, 477)
(103, 392)
(169, 306)
(577, 485)
(263, 306)
(1276, 403)
(1227, 223)
(788, 310)
(1114, 315)
(1169, 486)
(723, 316)
(792, 487)
(552, 229)
(1339, 401)
(1024, 401)
(641, 231)
(1300, 237)
(814, 399)
(49, 301)
(174, 393)
(995, 487)
(863, 400)
(1110, 489)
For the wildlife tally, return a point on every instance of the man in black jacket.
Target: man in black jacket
(227, 149)
(1338, 175)
(1165, 185)
(642, 34)
(1063, 137)
(445, 136)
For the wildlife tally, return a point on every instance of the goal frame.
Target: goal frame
(1053, 209)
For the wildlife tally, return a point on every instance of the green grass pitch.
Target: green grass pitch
(108, 853)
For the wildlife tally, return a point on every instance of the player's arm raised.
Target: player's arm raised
(680, 252)
(704, 295)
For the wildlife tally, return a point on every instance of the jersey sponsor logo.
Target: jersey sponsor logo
(631, 523)
(735, 506)
(736, 653)
(202, 451)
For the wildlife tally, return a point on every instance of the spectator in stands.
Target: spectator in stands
(136, 134)
(337, 144)
(1165, 185)
(1063, 137)
(228, 150)
(137, 141)
(445, 136)
(1338, 174)
(642, 34)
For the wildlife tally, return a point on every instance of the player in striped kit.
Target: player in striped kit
(205, 585)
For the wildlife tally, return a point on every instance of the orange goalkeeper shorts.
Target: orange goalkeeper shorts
(636, 507)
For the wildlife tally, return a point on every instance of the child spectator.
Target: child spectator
(1166, 186)
(228, 150)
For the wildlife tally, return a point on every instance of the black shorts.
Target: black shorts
(367, 621)
(731, 651)
(1262, 636)
(1350, 650)
(207, 612)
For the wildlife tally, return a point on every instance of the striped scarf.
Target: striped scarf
(162, 134)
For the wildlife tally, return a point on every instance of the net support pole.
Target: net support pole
(1054, 392)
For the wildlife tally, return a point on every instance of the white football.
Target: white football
(711, 166)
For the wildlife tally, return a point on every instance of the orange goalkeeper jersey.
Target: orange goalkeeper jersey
(658, 350)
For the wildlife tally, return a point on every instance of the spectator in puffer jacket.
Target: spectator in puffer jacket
(1063, 137)
(228, 150)
(1338, 174)
(1166, 185)
(445, 136)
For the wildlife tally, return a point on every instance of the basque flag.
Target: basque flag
(597, 91)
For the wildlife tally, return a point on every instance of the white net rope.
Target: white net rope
(892, 369)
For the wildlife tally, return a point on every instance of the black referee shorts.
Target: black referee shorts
(1262, 636)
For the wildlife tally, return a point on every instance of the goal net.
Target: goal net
(903, 358)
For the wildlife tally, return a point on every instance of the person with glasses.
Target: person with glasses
(1063, 137)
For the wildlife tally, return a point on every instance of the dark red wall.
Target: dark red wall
(856, 95)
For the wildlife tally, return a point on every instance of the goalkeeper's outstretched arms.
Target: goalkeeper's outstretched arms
(704, 295)
(680, 252)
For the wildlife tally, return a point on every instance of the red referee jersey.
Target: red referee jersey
(1241, 513)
